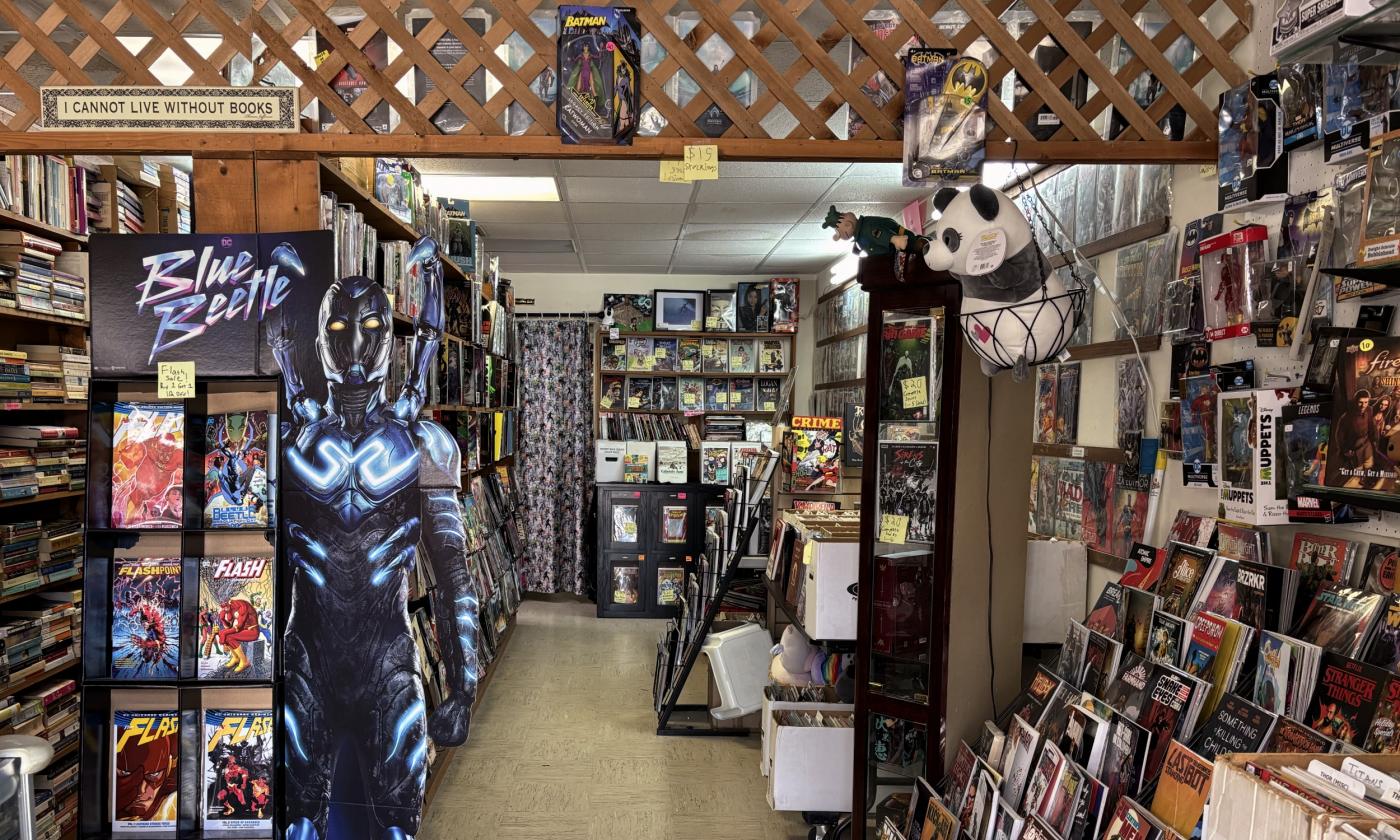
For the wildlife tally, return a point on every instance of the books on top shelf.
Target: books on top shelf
(48, 188)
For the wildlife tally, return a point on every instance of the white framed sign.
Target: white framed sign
(127, 108)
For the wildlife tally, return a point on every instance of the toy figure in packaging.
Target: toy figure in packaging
(1300, 93)
(600, 74)
(1198, 438)
(945, 117)
(1229, 262)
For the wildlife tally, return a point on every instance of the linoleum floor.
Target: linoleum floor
(564, 745)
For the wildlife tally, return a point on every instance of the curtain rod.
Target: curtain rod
(559, 315)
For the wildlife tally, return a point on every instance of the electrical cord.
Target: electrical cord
(991, 557)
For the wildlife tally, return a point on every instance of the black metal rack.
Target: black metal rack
(743, 500)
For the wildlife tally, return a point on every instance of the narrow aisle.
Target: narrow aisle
(565, 744)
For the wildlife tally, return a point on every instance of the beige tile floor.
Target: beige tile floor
(564, 745)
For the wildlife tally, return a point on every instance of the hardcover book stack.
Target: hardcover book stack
(48, 449)
(174, 200)
(119, 207)
(61, 550)
(31, 258)
(20, 555)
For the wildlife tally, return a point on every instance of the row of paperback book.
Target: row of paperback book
(35, 553)
(114, 207)
(148, 467)
(37, 460)
(48, 188)
(236, 777)
(44, 373)
(484, 437)
(37, 275)
(464, 376)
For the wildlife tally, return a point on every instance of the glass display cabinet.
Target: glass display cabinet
(913, 360)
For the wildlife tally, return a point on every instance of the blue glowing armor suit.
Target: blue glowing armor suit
(368, 487)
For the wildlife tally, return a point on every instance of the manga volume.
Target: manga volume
(236, 624)
(148, 465)
(238, 770)
(146, 619)
(909, 484)
(236, 470)
(145, 770)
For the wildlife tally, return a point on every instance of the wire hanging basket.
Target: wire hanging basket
(1036, 330)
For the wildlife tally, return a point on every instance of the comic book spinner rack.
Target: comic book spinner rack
(742, 514)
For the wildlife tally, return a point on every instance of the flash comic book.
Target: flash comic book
(145, 772)
(599, 75)
(146, 619)
(235, 470)
(148, 465)
(1366, 416)
(236, 623)
(1198, 424)
(238, 770)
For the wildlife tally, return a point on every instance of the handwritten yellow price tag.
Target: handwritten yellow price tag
(893, 528)
(809, 549)
(721, 397)
(711, 322)
(175, 380)
(702, 163)
(634, 402)
(673, 172)
(689, 399)
(606, 402)
(915, 391)
(769, 406)
(660, 353)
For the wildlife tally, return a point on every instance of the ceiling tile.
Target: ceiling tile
(623, 247)
(811, 248)
(517, 211)
(596, 212)
(525, 230)
(725, 261)
(796, 265)
(762, 190)
(690, 247)
(760, 169)
(534, 262)
(626, 232)
(484, 166)
(877, 188)
(597, 261)
(650, 169)
(892, 172)
(636, 190)
(746, 213)
(633, 269)
(808, 230)
(818, 214)
(722, 232)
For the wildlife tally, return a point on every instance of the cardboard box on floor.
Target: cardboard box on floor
(1244, 808)
(812, 766)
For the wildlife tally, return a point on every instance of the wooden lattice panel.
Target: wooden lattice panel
(771, 78)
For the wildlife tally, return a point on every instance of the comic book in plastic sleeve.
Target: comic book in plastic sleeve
(236, 622)
(145, 772)
(236, 470)
(814, 454)
(148, 465)
(146, 619)
(1046, 391)
(909, 484)
(238, 770)
(1366, 416)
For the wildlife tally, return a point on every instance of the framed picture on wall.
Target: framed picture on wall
(677, 309)
(719, 310)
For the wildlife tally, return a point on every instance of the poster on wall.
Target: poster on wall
(370, 491)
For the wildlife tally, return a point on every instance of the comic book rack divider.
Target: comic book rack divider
(100, 693)
(791, 103)
(746, 506)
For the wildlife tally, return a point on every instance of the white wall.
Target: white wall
(584, 293)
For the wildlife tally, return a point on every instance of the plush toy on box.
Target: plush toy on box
(797, 662)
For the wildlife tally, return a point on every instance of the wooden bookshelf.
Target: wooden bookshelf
(43, 497)
(853, 332)
(672, 374)
(376, 215)
(623, 334)
(1116, 347)
(25, 406)
(26, 315)
(45, 587)
(19, 686)
(18, 221)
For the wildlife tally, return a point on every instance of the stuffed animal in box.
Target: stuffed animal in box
(797, 662)
(1015, 313)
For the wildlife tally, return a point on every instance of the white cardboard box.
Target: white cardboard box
(812, 768)
(771, 706)
(830, 609)
(609, 454)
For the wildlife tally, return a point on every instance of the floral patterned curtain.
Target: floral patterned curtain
(555, 452)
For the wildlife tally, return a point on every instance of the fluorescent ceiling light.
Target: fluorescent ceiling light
(491, 187)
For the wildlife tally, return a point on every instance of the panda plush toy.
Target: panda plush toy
(1015, 313)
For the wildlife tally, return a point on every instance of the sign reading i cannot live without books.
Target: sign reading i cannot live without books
(126, 108)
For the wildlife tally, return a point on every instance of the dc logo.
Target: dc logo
(226, 242)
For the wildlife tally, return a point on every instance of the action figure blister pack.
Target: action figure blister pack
(599, 75)
(945, 117)
(1380, 225)
(236, 470)
(1251, 166)
(1228, 264)
(1198, 439)
(238, 770)
(1358, 102)
(236, 624)
(146, 619)
(1348, 195)
(1249, 457)
(1300, 97)
(148, 465)
(1278, 292)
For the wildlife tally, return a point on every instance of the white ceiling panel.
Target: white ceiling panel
(518, 211)
(877, 188)
(808, 230)
(812, 247)
(484, 166)
(532, 261)
(639, 260)
(527, 230)
(763, 190)
(748, 213)
(597, 212)
(722, 232)
(641, 246)
(763, 169)
(627, 232)
(748, 248)
(817, 215)
(730, 262)
(796, 265)
(635, 190)
(611, 168)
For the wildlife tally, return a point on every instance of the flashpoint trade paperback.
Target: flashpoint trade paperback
(238, 770)
(235, 470)
(146, 619)
(236, 623)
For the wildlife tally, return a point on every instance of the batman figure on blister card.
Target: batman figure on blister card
(370, 488)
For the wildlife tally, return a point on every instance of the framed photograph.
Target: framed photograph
(754, 307)
(719, 310)
(679, 309)
(630, 313)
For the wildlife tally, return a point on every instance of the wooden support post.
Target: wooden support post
(223, 189)
(288, 193)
